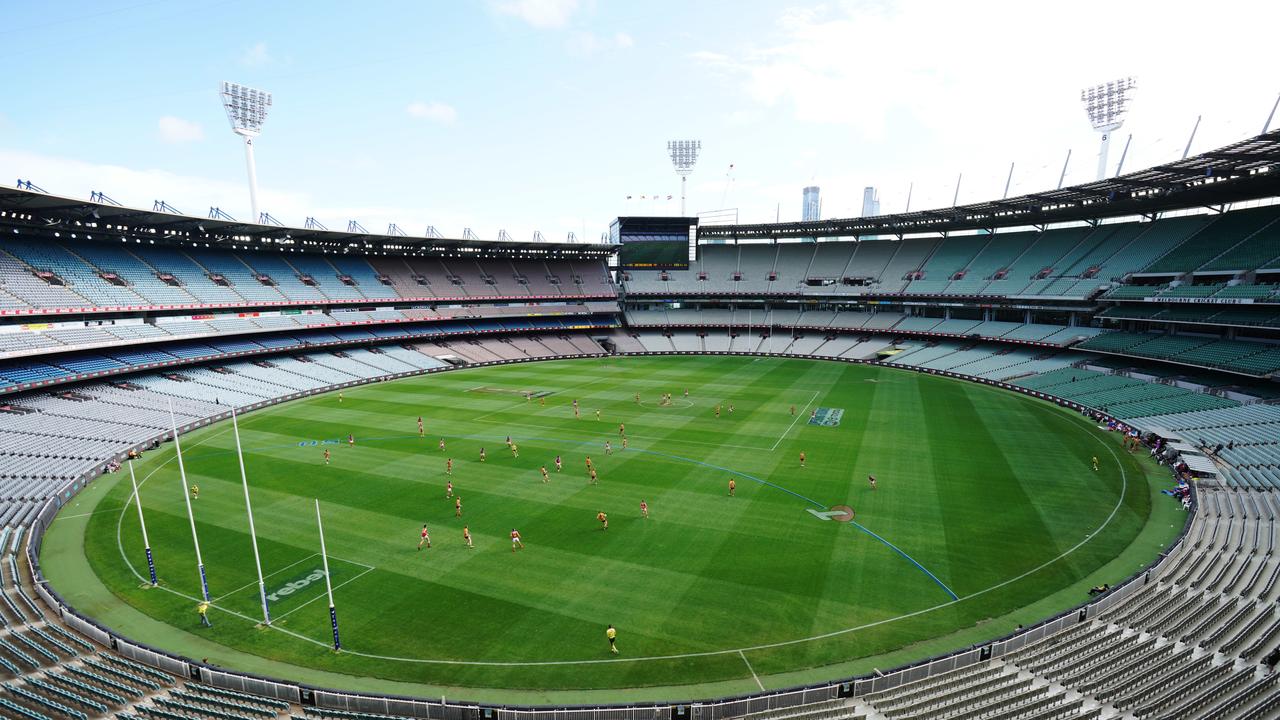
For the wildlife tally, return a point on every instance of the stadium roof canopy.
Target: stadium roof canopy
(48, 214)
(1246, 170)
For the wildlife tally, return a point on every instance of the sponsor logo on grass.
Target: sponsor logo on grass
(297, 584)
(829, 417)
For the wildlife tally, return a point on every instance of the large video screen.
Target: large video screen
(654, 252)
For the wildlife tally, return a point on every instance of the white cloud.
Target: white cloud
(176, 130)
(538, 13)
(434, 111)
(588, 43)
(256, 56)
(928, 90)
(707, 57)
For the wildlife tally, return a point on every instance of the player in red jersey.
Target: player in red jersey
(448, 466)
(515, 540)
(644, 510)
(441, 444)
(448, 490)
(426, 539)
(326, 456)
(351, 440)
(559, 463)
(608, 448)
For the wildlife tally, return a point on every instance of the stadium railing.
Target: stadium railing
(712, 709)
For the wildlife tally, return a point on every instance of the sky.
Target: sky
(547, 115)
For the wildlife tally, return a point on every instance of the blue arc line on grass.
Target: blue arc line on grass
(909, 559)
(810, 500)
(739, 473)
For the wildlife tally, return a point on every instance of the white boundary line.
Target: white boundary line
(1124, 478)
(793, 422)
(754, 676)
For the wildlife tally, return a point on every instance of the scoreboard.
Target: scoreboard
(653, 243)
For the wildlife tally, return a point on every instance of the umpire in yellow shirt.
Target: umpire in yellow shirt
(612, 634)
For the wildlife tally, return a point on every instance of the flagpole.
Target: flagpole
(328, 584)
(186, 495)
(253, 534)
(146, 543)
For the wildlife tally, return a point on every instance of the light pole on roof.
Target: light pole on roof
(247, 110)
(1106, 105)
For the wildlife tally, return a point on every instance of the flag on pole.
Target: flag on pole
(146, 543)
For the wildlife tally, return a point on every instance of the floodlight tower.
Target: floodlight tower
(684, 154)
(246, 110)
(1106, 105)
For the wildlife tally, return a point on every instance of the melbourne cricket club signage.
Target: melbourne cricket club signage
(1200, 301)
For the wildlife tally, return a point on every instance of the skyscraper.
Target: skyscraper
(870, 202)
(812, 207)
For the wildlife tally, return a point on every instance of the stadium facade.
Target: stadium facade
(1152, 299)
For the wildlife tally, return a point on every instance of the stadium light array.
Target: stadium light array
(684, 155)
(1106, 105)
(247, 111)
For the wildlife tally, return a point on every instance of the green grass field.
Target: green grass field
(986, 506)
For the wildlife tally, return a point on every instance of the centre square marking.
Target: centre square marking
(826, 417)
